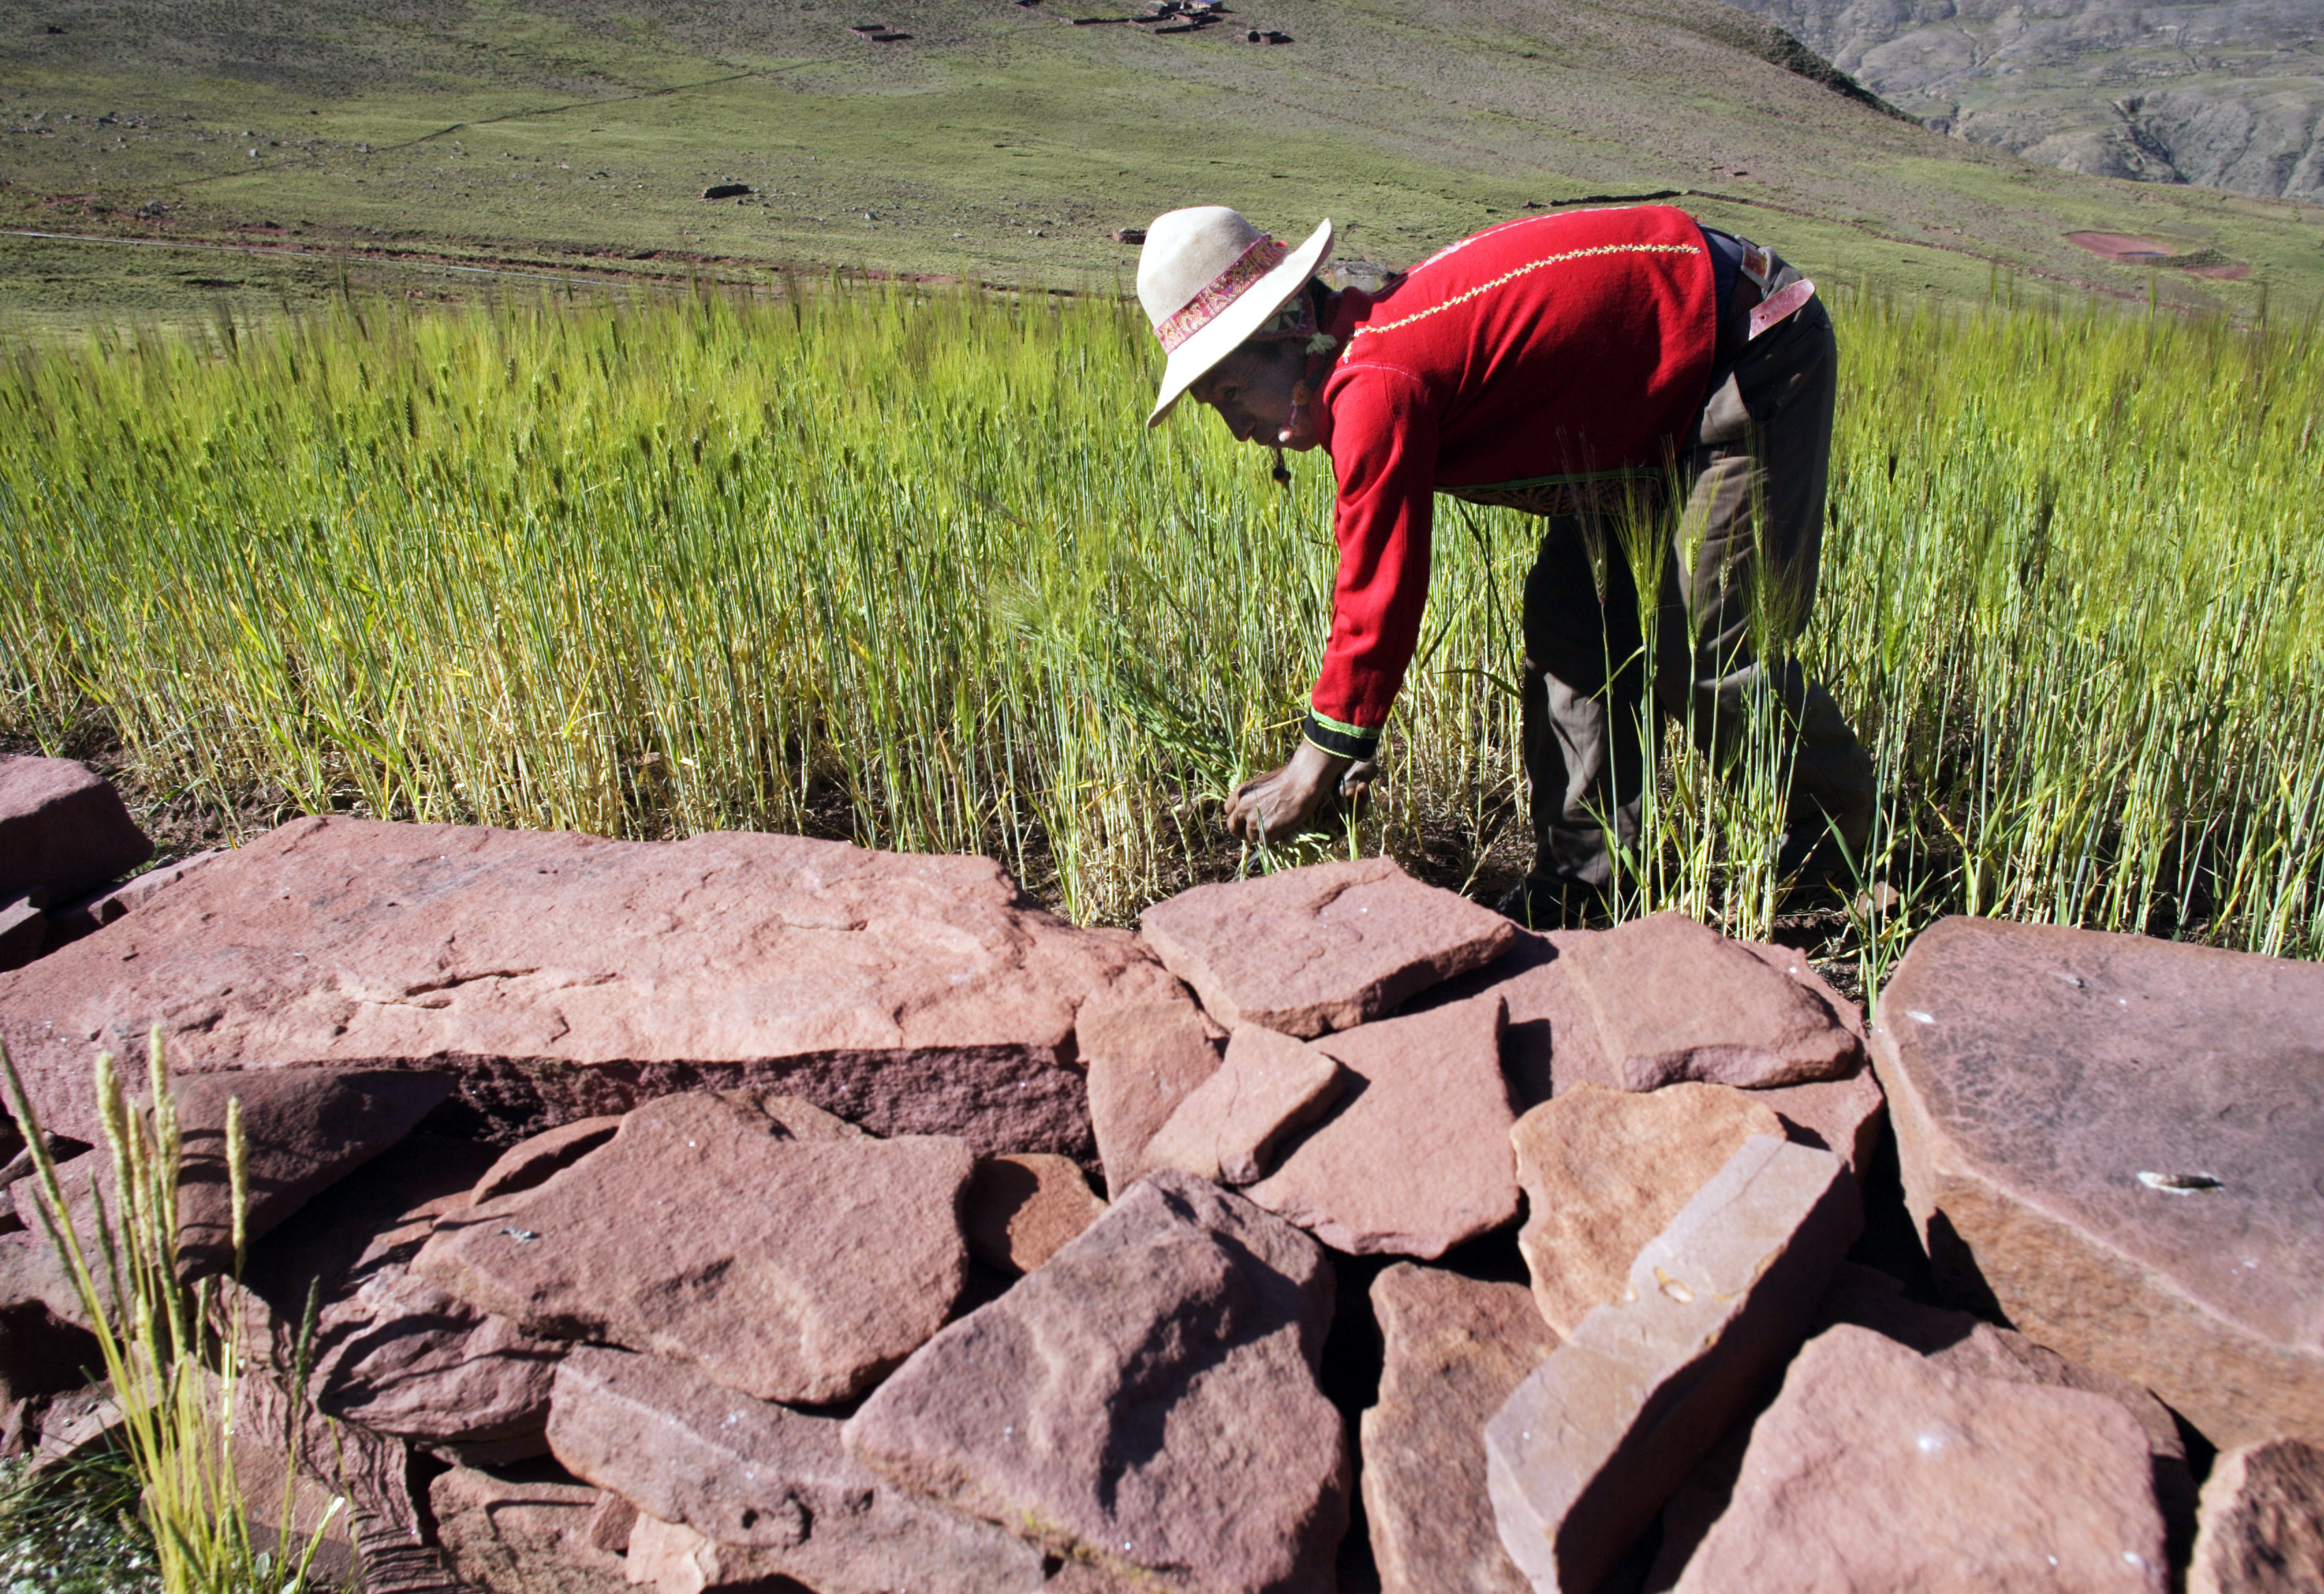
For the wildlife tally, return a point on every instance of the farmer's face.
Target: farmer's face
(1251, 391)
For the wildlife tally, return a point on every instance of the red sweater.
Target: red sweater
(1500, 369)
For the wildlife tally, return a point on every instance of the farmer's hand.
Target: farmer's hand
(1278, 804)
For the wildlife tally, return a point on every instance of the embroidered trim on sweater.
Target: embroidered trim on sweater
(1511, 276)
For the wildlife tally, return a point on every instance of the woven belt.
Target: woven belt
(1759, 269)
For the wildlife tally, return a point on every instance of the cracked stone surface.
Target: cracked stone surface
(1148, 1401)
(2113, 1138)
(1413, 1157)
(559, 976)
(1325, 947)
(1605, 1171)
(63, 830)
(1878, 1469)
(753, 1474)
(847, 1255)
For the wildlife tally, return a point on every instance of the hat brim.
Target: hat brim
(1228, 330)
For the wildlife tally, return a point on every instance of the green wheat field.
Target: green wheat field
(902, 566)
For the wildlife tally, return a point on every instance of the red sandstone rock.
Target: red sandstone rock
(24, 933)
(1677, 1000)
(1455, 1349)
(563, 976)
(1147, 1050)
(1594, 1439)
(504, 1536)
(1146, 1401)
(1021, 1210)
(1229, 1128)
(1605, 1171)
(1321, 948)
(2262, 1522)
(1957, 1343)
(845, 1256)
(1413, 1158)
(2113, 1138)
(751, 1474)
(531, 1163)
(41, 1353)
(1553, 1043)
(1844, 1115)
(88, 914)
(391, 1351)
(674, 1558)
(303, 1130)
(1876, 1469)
(372, 1474)
(63, 829)
(1790, 962)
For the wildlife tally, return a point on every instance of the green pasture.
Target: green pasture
(902, 566)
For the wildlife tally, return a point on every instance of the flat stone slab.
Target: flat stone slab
(90, 913)
(1021, 1210)
(1877, 1468)
(844, 1257)
(1554, 1043)
(1229, 1128)
(1583, 1454)
(2115, 1139)
(303, 1130)
(1605, 1171)
(1146, 1402)
(1674, 999)
(1414, 1157)
(2263, 1529)
(558, 976)
(750, 1473)
(63, 829)
(1455, 1349)
(1325, 947)
(1149, 1045)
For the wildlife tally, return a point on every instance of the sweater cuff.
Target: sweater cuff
(1336, 736)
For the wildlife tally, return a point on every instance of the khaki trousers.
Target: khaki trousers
(1751, 481)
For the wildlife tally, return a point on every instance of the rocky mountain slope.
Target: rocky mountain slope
(2230, 95)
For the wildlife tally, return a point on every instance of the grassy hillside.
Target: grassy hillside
(997, 142)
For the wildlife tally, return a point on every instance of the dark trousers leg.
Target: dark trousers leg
(1740, 567)
(1747, 551)
(1585, 683)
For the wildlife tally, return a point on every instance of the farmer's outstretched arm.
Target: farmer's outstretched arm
(1383, 445)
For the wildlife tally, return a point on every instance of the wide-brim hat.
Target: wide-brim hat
(1208, 280)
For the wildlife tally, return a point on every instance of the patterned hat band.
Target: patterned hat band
(1263, 256)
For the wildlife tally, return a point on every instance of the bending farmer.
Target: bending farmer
(1569, 365)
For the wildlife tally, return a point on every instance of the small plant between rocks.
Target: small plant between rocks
(171, 1354)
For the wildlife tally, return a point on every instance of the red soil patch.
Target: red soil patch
(2122, 246)
(2130, 249)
